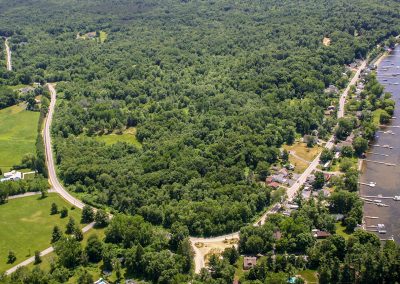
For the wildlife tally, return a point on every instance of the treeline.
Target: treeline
(10, 188)
(132, 248)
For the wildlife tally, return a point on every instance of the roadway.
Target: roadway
(198, 258)
(8, 52)
(49, 154)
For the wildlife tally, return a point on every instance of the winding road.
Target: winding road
(49, 154)
(57, 187)
(198, 258)
(8, 52)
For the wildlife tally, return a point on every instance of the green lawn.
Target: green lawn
(102, 36)
(26, 225)
(18, 132)
(309, 276)
(129, 136)
(341, 230)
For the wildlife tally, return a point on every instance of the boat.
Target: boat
(382, 231)
(372, 184)
(395, 83)
(396, 198)
(377, 200)
(381, 226)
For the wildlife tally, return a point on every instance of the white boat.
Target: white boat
(382, 231)
(377, 201)
(381, 226)
(396, 198)
(372, 184)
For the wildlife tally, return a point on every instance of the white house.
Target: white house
(13, 175)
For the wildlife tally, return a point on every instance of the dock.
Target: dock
(374, 196)
(371, 217)
(382, 163)
(378, 154)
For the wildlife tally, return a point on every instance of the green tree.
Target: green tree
(101, 218)
(231, 254)
(70, 226)
(11, 258)
(319, 180)
(87, 214)
(78, 233)
(94, 249)
(54, 209)
(69, 252)
(37, 257)
(360, 145)
(56, 235)
(64, 212)
(84, 277)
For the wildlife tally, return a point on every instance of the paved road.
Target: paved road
(49, 154)
(28, 194)
(8, 51)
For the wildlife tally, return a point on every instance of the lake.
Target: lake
(387, 178)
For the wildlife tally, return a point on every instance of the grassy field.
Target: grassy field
(303, 151)
(17, 134)
(299, 165)
(309, 276)
(26, 225)
(102, 36)
(129, 136)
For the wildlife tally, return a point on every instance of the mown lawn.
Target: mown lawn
(303, 151)
(26, 225)
(102, 36)
(309, 276)
(341, 230)
(18, 132)
(129, 136)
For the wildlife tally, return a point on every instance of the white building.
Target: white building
(10, 176)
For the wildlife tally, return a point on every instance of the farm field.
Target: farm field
(27, 225)
(18, 132)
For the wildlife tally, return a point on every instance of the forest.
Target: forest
(212, 95)
(211, 89)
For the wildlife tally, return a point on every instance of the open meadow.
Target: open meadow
(18, 132)
(26, 225)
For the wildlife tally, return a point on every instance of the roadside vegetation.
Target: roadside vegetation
(214, 90)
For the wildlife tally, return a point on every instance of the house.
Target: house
(279, 178)
(338, 217)
(327, 177)
(320, 234)
(26, 89)
(249, 262)
(283, 172)
(326, 192)
(235, 281)
(327, 165)
(11, 176)
(331, 90)
(277, 235)
(101, 281)
(91, 35)
(268, 180)
(309, 139)
(274, 185)
(311, 179)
